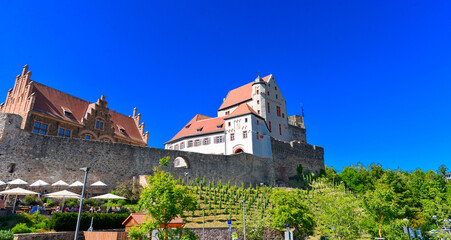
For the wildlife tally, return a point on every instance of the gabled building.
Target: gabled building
(48, 111)
(247, 120)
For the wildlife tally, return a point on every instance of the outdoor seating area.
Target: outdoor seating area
(18, 196)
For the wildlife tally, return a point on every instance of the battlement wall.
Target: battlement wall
(288, 155)
(31, 157)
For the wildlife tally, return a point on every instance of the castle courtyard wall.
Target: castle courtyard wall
(31, 157)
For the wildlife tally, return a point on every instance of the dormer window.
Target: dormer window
(187, 126)
(121, 129)
(227, 113)
(199, 129)
(219, 126)
(67, 112)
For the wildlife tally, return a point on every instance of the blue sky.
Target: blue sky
(373, 76)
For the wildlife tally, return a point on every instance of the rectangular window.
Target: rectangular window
(229, 124)
(40, 128)
(258, 135)
(182, 145)
(280, 129)
(190, 143)
(197, 142)
(269, 108)
(99, 125)
(283, 115)
(218, 139)
(206, 141)
(270, 128)
(277, 96)
(232, 137)
(176, 147)
(258, 91)
(258, 111)
(258, 122)
(88, 137)
(228, 112)
(278, 111)
(63, 132)
(268, 93)
(244, 134)
(245, 120)
(258, 101)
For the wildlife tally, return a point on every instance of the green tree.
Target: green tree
(163, 200)
(288, 208)
(256, 223)
(379, 207)
(338, 213)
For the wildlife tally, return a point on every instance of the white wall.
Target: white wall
(212, 147)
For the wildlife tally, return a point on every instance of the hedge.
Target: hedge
(67, 221)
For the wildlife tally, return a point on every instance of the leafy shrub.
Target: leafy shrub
(67, 221)
(6, 235)
(21, 228)
(188, 235)
(31, 200)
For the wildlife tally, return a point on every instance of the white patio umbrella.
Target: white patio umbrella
(98, 184)
(39, 183)
(63, 195)
(76, 184)
(108, 196)
(60, 183)
(17, 182)
(17, 191)
(2, 183)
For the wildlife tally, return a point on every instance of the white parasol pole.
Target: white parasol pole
(14, 206)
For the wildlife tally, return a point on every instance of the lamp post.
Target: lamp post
(244, 219)
(86, 169)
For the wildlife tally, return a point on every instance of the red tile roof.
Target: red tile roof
(241, 110)
(239, 95)
(142, 217)
(210, 125)
(52, 102)
(206, 124)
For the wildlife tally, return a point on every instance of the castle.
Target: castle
(247, 120)
(31, 152)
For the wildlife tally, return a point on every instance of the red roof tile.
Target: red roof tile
(142, 217)
(52, 102)
(239, 95)
(242, 109)
(206, 124)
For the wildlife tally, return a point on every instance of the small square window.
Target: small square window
(245, 120)
(229, 124)
(232, 137)
(244, 134)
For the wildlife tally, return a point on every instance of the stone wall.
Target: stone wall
(49, 236)
(223, 233)
(287, 156)
(31, 157)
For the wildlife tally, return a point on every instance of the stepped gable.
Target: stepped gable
(239, 95)
(53, 102)
(128, 124)
(202, 123)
